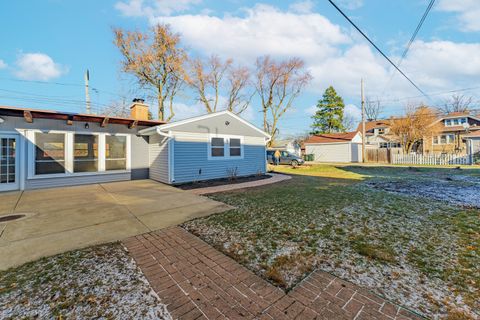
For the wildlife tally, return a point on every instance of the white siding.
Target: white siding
(158, 156)
(356, 152)
(330, 152)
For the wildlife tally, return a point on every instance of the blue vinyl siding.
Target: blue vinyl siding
(191, 162)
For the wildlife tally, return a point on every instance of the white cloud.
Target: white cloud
(302, 6)
(150, 8)
(353, 111)
(311, 110)
(263, 30)
(38, 66)
(333, 55)
(468, 12)
(3, 65)
(351, 4)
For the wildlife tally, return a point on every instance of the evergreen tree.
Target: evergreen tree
(329, 115)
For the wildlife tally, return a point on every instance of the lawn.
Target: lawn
(396, 231)
(100, 282)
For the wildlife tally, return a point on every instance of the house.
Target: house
(454, 127)
(472, 141)
(378, 136)
(40, 148)
(212, 146)
(289, 145)
(335, 147)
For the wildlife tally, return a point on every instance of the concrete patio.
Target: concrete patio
(62, 219)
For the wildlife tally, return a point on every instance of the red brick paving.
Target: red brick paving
(196, 281)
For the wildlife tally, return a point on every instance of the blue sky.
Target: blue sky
(53, 42)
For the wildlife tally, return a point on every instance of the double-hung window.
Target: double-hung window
(235, 145)
(217, 147)
(224, 147)
(49, 153)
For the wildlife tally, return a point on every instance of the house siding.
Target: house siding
(192, 164)
(139, 159)
(158, 156)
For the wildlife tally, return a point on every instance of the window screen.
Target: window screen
(115, 153)
(85, 153)
(49, 153)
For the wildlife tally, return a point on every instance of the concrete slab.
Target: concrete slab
(8, 202)
(61, 219)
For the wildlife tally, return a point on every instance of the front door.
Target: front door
(9, 162)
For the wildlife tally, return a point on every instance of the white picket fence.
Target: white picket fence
(432, 159)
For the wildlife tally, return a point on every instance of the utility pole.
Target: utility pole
(87, 94)
(363, 123)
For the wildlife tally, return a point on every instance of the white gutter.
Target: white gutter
(167, 135)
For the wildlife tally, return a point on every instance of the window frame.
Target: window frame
(226, 147)
(69, 154)
(448, 139)
(85, 160)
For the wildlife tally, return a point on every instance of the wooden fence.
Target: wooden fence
(431, 159)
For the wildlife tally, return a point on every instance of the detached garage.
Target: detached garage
(335, 147)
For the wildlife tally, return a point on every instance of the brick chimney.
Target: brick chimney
(139, 110)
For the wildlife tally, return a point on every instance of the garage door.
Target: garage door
(330, 152)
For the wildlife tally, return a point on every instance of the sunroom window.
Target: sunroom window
(115, 153)
(85, 153)
(49, 153)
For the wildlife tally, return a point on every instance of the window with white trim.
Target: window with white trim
(235, 147)
(455, 122)
(62, 153)
(444, 139)
(217, 147)
(49, 153)
(85, 153)
(225, 147)
(115, 153)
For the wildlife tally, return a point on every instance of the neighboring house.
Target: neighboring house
(454, 127)
(289, 145)
(472, 141)
(335, 147)
(41, 149)
(215, 145)
(377, 133)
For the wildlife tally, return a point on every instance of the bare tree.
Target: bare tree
(373, 109)
(457, 103)
(156, 60)
(210, 77)
(278, 83)
(239, 96)
(417, 125)
(349, 122)
(207, 76)
(118, 108)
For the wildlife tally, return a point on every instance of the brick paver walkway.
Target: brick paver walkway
(228, 187)
(196, 281)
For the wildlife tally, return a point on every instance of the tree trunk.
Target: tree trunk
(161, 108)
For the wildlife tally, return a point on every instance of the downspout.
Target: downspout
(170, 140)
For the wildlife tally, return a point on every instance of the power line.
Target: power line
(377, 48)
(410, 42)
(419, 26)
